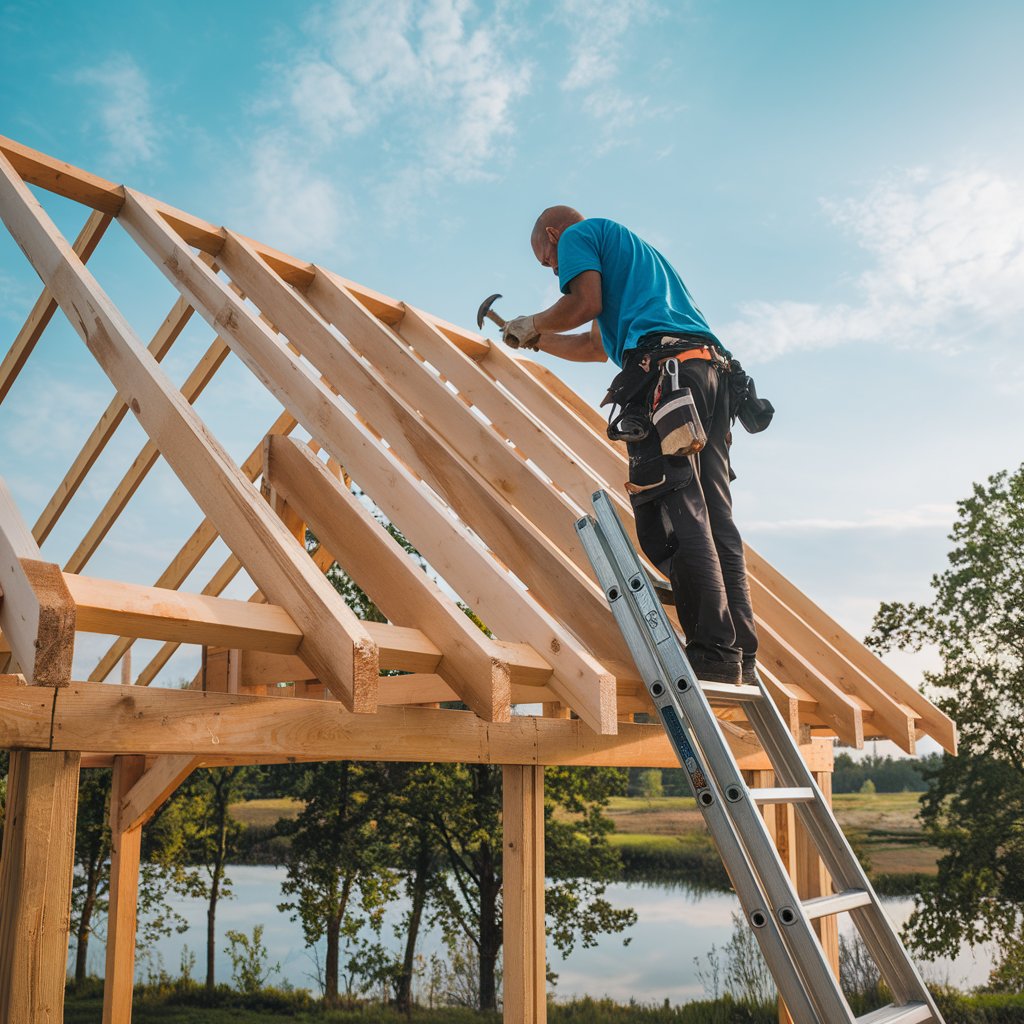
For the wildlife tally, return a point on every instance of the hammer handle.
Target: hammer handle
(500, 321)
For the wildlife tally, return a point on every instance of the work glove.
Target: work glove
(520, 333)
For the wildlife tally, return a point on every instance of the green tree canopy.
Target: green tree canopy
(974, 809)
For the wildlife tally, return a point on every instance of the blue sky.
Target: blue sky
(840, 185)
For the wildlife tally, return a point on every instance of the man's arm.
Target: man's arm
(580, 305)
(584, 347)
(548, 330)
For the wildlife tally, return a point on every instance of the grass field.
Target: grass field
(882, 826)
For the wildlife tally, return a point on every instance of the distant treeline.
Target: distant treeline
(884, 774)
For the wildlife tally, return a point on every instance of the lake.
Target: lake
(674, 926)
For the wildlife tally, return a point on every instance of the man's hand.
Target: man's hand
(520, 333)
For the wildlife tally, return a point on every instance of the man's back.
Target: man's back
(640, 290)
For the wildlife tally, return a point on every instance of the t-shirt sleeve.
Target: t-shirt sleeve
(578, 250)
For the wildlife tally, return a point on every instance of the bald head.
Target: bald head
(555, 217)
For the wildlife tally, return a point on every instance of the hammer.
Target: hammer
(486, 311)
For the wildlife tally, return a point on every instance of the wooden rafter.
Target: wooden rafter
(345, 654)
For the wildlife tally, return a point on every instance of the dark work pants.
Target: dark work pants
(689, 533)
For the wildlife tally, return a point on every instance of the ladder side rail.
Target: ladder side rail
(871, 921)
(795, 989)
(797, 931)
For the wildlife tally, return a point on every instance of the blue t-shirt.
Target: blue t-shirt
(640, 292)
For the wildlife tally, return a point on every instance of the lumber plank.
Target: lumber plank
(184, 562)
(343, 653)
(195, 384)
(481, 449)
(937, 724)
(165, 336)
(122, 912)
(896, 720)
(35, 885)
(42, 312)
(115, 719)
(401, 590)
(149, 792)
(587, 688)
(559, 582)
(27, 712)
(525, 978)
(155, 613)
(89, 189)
(505, 412)
(838, 710)
(37, 614)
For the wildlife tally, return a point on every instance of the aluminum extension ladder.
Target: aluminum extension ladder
(780, 920)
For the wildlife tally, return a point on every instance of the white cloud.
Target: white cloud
(290, 204)
(598, 29)
(920, 517)
(447, 82)
(125, 110)
(946, 271)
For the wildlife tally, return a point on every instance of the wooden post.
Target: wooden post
(813, 880)
(523, 894)
(35, 885)
(125, 847)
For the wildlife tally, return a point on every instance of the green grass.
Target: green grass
(264, 813)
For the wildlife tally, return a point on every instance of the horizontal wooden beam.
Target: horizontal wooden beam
(223, 728)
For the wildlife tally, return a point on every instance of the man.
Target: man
(640, 313)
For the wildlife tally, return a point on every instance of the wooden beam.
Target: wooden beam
(937, 724)
(108, 606)
(37, 614)
(35, 885)
(479, 493)
(184, 562)
(64, 179)
(525, 980)
(122, 913)
(400, 589)
(42, 312)
(132, 719)
(151, 789)
(318, 409)
(165, 336)
(334, 641)
(842, 674)
(193, 387)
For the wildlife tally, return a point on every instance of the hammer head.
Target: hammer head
(485, 310)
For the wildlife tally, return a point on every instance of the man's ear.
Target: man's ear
(553, 234)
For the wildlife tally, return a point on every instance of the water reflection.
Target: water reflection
(677, 922)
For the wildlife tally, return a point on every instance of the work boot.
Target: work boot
(749, 670)
(711, 667)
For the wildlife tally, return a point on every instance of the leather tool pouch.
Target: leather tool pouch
(675, 415)
(630, 417)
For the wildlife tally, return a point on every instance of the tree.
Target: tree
(91, 881)
(338, 875)
(207, 836)
(975, 804)
(465, 813)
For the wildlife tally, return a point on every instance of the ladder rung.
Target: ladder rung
(909, 1013)
(729, 691)
(850, 899)
(793, 795)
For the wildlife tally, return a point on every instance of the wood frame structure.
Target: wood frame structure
(481, 458)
